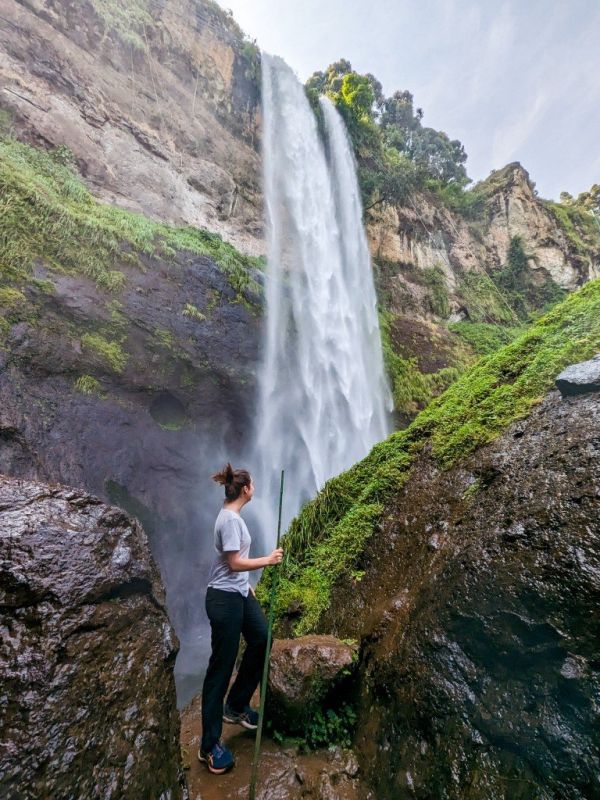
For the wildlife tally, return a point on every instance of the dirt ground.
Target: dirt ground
(284, 773)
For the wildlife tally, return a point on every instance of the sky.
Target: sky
(514, 80)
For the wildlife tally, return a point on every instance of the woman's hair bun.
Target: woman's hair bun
(232, 480)
(225, 475)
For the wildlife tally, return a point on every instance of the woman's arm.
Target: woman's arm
(237, 564)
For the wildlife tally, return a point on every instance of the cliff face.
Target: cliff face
(87, 652)
(425, 234)
(137, 405)
(158, 102)
(484, 267)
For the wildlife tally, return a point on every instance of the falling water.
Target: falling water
(323, 394)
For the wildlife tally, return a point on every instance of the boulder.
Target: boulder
(303, 673)
(87, 708)
(479, 669)
(580, 378)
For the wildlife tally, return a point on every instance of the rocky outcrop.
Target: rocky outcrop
(303, 672)
(157, 102)
(580, 378)
(87, 652)
(477, 615)
(435, 266)
(424, 234)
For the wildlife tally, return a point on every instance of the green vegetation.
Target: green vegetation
(110, 353)
(14, 307)
(191, 311)
(326, 541)
(411, 388)
(48, 215)
(395, 152)
(485, 338)
(325, 728)
(484, 300)
(516, 283)
(11, 298)
(439, 299)
(87, 384)
(128, 19)
(580, 224)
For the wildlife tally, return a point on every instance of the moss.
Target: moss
(411, 388)
(485, 338)
(14, 307)
(579, 226)
(10, 298)
(484, 301)
(165, 338)
(439, 299)
(48, 215)
(127, 19)
(190, 310)
(87, 384)
(111, 353)
(496, 391)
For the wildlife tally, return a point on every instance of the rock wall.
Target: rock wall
(426, 234)
(435, 266)
(157, 101)
(87, 706)
(147, 436)
(477, 616)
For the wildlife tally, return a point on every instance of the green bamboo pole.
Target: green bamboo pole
(265, 675)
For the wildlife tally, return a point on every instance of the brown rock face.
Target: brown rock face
(158, 103)
(478, 619)
(303, 672)
(87, 707)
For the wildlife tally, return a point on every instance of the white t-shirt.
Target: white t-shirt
(231, 535)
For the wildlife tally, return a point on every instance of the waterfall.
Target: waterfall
(324, 399)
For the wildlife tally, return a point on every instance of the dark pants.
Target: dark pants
(230, 615)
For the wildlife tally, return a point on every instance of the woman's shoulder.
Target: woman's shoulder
(227, 514)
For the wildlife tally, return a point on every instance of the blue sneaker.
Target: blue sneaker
(248, 718)
(218, 759)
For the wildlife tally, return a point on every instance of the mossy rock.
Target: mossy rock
(327, 539)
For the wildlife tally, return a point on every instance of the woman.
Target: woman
(232, 610)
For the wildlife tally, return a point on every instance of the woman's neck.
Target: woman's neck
(235, 505)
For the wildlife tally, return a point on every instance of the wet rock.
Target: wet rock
(483, 683)
(303, 672)
(87, 708)
(580, 378)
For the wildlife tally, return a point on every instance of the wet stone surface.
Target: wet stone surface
(580, 378)
(480, 656)
(86, 652)
(302, 673)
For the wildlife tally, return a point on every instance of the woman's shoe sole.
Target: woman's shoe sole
(212, 769)
(239, 721)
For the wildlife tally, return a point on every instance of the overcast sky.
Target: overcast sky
(514, 80)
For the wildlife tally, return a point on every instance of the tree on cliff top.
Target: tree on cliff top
(395, 152)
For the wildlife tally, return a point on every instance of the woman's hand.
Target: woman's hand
(237, 564)
(275, 557)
